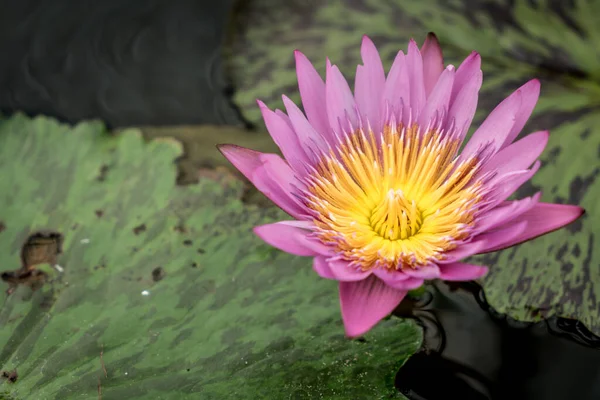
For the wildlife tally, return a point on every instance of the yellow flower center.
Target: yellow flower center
(397, 201)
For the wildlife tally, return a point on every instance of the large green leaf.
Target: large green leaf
(225, 316)
(556, 41)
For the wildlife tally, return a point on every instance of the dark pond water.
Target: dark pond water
(152, 62)
(476, 353)
(135, 62)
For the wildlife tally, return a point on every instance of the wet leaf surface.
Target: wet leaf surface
(165, 292)
(556, 41)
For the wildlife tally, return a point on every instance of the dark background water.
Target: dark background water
(472, 351)
(152, 62)
(127, 62)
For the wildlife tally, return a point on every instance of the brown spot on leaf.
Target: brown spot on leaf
(194, 265)
(102, 174)
(180, 228)
(10, 376)
(158, 274)
(580, 185)
(41, 248)
(187, 242)
(552, 155)
(139, 229)
(99, 213)
(32, 278)
(584, 135)
(576, 251)
(2, 226)
(201, 251)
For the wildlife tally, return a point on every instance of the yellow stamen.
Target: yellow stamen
(400, 203)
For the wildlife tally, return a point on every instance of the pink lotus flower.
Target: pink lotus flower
(380, 195)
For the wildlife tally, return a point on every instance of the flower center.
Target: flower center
(395, 217)
(399, 200)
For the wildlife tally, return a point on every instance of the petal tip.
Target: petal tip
(353, 333)
(579, 212)
(462, 272)
(229, 149)
(533, 87)
(261, 104)
(366, 302)
(299, 55)
(431, 36)
(260, 232)
(480, 272)
(223, 147)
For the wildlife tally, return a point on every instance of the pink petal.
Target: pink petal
(291, 239)
(390, 277)
(462, 251)
(365, 303)
(437, 102)
(307, 136)
(284, 136)
(494, 239)
(461, 272)
(270, 174)
(530, 92)
(398, 279)
(369, 83)
(518, 155)
(433, 62)
(321, 267)
(466, 72)
(541, 219)
(337, 269)
(409, 284)
(462, 110)
(496, 126)
(505, 213)
(481, 243)
(505, 185)
(340, 102)
(308, 225)
(312, 91)
(396, 94)
(428, 272)
(280, 114)
(414, 64)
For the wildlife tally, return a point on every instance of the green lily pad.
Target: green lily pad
(165, 292)
(519, 40)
